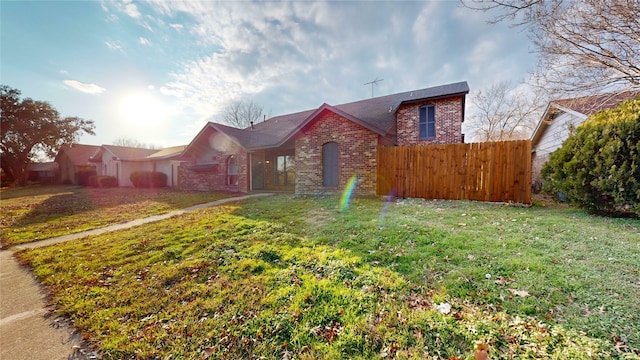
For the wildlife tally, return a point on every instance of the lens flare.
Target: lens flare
(387, 201)
(348, 192)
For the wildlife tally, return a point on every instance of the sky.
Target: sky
(156, 72)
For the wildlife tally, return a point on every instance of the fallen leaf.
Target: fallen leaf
(481, 352)
(208, 352)
(521, 293)
(503, 280)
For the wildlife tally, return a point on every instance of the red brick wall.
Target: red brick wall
(215, 180)
(449, 117)
(357, 150)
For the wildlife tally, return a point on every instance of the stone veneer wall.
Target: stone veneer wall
(357, 152)
(449, 117)
(215, 180)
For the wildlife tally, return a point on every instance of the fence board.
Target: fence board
(495, 171)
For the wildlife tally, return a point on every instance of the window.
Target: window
(285, 171)
(330, 164)
(232, 170)
(427, 122)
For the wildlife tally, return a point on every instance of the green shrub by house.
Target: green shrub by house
(598, 167)
(148, 179)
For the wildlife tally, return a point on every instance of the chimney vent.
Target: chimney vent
(252, 125)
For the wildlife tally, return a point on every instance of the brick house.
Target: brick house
(319, 150)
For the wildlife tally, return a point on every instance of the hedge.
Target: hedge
(84, 175)
(146, 179)
(598, 167)
(103, 181)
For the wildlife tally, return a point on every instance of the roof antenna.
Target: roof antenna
(374, 82)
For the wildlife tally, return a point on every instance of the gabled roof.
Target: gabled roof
(167, 153)
(376, 114)
(78, 154)
(581, 107)
(123, 153)
(589, 105)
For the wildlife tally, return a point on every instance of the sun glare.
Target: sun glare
(140, 110)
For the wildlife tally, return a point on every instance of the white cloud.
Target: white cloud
(129, 8)
(114, 45)
(295, 55)
(144, 41)
(177, 27)
(85, 88)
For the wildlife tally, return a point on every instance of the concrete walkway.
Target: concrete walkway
(28, 328)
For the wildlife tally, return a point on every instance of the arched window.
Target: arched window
(232, 170)
(330, 164)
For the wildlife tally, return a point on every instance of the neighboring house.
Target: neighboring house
(45, 171)
(560, 119)
(167, 161)
(317, 151)
(74, 158)
(121, 161)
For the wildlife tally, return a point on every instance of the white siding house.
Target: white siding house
(120, 162)
(560, 119)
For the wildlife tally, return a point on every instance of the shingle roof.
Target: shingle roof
(376, 114)
(167, 152)
(128, 153)
(79, 154)
(588, 105)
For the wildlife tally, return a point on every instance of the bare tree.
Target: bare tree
(240, 114)
(585, 46)
(503, 112)
(128, 142)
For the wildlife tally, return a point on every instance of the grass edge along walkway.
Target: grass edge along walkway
(129, 224)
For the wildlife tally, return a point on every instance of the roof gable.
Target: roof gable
(78, 154)
(581, 108)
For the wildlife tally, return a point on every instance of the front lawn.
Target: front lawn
(284, 277)
(39, 212)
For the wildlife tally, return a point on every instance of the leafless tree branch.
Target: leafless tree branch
(586, 46)
(241, 114)
(503, 112)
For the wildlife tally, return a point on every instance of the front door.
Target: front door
(257, 171)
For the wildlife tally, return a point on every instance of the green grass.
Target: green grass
(39, 212)
(285, 277)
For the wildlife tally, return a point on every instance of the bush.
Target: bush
(103, 181)
(598, 167)
(107, 181)
(83, 176)
(93, 181)
(152, 179)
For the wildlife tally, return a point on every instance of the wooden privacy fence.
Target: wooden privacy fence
(491, 171)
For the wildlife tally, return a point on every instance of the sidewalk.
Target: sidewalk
(28, 328)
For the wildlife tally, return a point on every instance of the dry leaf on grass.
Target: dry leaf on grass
(521, 293)
(481, 352)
